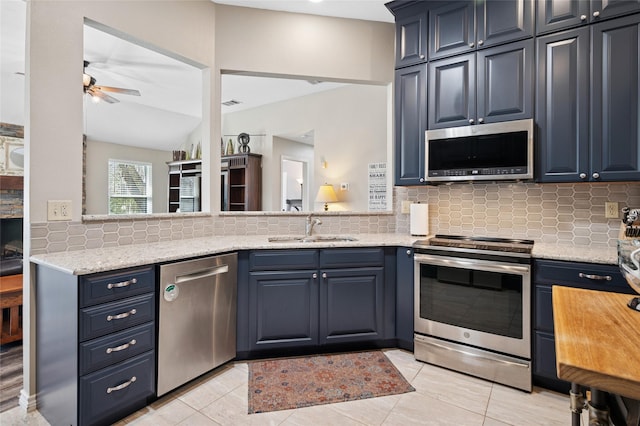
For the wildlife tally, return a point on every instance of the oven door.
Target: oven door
(482, 303)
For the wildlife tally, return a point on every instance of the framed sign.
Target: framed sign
(11, 156)
(377, 186)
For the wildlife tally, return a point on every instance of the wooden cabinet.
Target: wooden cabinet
(184, 186)
(411, 123)
(464, 26)
(311, 298)
(587, 103)
(548, 273)
(485, 87)
(96, 344)
(242, 183)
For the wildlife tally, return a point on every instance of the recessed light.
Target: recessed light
(315, 1)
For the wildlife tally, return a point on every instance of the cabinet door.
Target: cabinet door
(562, 106)
(351, 305)
(404, 297)
(499, 21)
(615, 100)
(452, 91)
(554, 15)
(283, 309)
(411, 37)
(602, 9)
(411, 123)
(451, 29)
(505, 82)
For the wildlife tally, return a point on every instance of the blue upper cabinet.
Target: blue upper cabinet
(464, 26)
(587, 115)
(555, 15)
(615, 100)
(411, 32)
(491, 85)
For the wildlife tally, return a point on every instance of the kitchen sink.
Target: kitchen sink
(311, 239)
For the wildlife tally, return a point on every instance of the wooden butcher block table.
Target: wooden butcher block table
(597, 341)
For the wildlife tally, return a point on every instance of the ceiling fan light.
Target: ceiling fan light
(95, 99)
(86, 79)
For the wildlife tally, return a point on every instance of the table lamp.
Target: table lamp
(326, 195)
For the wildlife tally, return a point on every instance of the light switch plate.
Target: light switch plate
(406, 207)
(58, 210)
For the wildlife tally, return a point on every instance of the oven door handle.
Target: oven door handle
(471, 264)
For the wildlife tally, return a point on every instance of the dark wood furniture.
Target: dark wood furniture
(244, 181)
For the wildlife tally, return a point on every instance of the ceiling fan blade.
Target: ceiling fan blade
(103, 96)
(131, 92)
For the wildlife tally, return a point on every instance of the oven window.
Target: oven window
(478, 300)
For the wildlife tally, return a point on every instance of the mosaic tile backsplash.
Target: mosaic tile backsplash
(553, 213)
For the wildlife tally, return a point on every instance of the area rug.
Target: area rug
(281, 384)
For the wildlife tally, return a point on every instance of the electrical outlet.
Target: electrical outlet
(406, 207)
(344, 186)
(58, 210)
(611, 210)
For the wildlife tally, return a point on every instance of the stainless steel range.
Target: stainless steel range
(473, 306)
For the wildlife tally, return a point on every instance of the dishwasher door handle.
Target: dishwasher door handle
(203, 273)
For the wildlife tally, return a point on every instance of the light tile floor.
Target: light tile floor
(442, 397)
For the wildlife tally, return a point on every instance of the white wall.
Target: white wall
(97, 180)
(350, 131)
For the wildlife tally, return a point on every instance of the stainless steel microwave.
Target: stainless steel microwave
(494, 151)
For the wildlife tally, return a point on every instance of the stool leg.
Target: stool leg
(14, 320)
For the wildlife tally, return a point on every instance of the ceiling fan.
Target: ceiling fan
(97, 92)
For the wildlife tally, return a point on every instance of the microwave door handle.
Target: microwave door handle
(471, 264)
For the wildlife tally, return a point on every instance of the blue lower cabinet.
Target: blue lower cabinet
(283, 309)
(343, 298)
(110, 394)
(351, 305)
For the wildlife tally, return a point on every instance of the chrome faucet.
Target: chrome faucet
(309, 224)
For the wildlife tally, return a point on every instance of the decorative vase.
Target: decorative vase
(229, 147)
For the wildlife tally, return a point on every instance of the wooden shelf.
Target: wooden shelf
(244, 181)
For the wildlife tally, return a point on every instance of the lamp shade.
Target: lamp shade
(325, 195)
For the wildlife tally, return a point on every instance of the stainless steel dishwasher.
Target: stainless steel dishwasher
(197, 325)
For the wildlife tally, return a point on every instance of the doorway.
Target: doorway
(294, 184)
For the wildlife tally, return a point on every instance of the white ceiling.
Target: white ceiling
(169, 107)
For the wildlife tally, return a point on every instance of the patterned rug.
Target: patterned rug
(281, 384)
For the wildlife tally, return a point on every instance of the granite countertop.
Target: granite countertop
(89, 261)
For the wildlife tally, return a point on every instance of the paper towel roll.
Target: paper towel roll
(419, 219)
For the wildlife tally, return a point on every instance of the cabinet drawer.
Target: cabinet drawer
(104, 351)
(112, 393)
(108, 286)
(99, 320)
(351, 257)
(272, 260)
(582, 275)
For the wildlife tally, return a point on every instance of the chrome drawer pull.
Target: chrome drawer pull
(122, 386)
(122, 284)
(122, 347)
(122, 315)
(595, 277)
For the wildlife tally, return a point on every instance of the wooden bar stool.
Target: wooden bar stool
(11, 304)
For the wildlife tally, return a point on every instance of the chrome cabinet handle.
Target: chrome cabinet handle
(596, 14)
(408, 252)
(314, 275)
(122, 386)
(122, 284)
(595, 277)
(122, 347)
(421, 180)
(583, 17)
(481, 120)
(480, 42)
(324, 275)
(471, 45)
(583, 175)
(421, 56)
(122, 315)
(596, 175)
(471, 121)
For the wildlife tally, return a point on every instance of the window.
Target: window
(129, 187)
